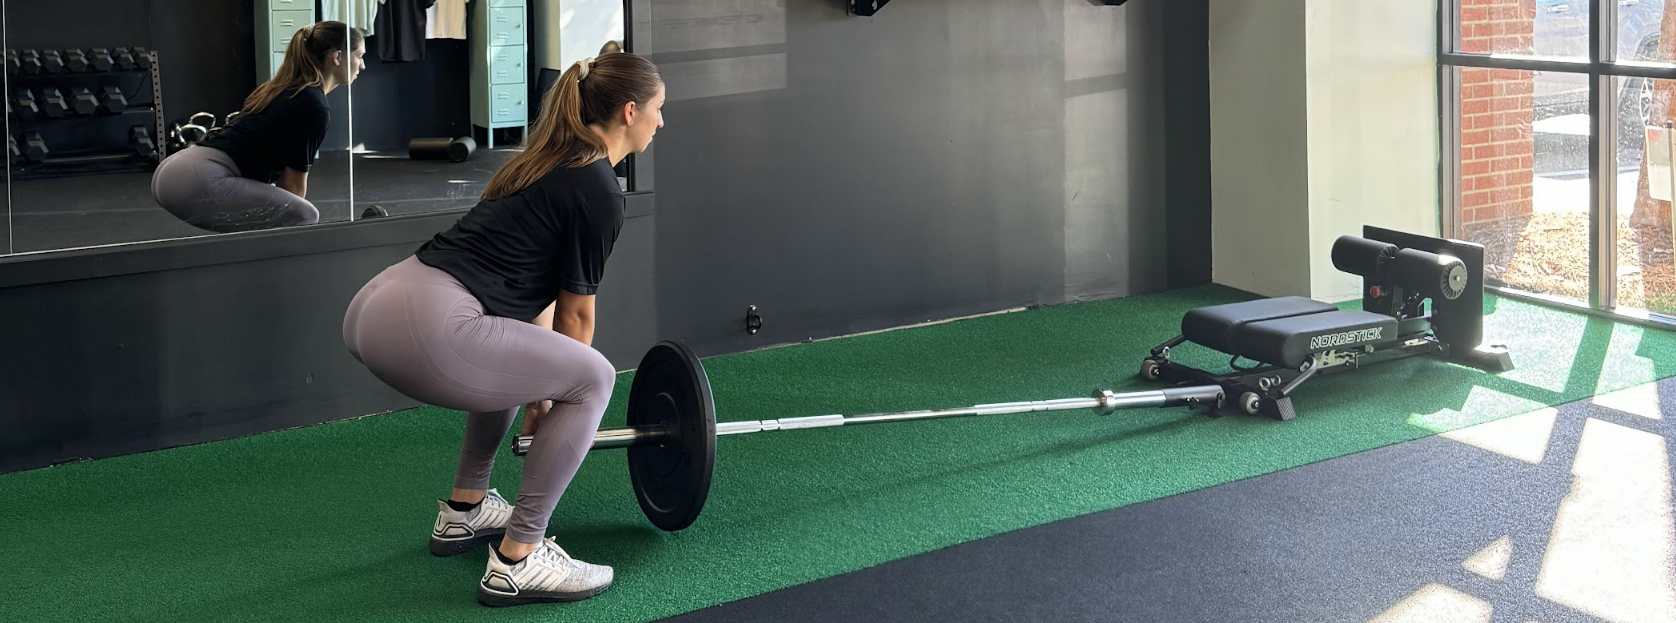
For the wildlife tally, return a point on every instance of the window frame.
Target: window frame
(1602, 67)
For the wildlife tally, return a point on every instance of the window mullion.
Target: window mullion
(1603, 157)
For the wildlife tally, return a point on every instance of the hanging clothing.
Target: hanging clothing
(447, 20)
(401, 30)
(356, 13)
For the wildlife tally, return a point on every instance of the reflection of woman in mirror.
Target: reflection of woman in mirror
(497, 313)
(253, 174)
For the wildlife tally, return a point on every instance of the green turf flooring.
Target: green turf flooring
(330, 522)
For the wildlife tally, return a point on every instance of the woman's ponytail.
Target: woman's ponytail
(305, 62)
(589, 92)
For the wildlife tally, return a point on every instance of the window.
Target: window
(1556, 158)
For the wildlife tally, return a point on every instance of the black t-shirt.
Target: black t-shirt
(400, 25)
(286, 134)
(516, 253)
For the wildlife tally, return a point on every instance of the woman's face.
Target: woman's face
(355, 63)
(647, 120)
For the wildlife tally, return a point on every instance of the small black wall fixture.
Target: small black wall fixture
(869, 7)
(866, 7)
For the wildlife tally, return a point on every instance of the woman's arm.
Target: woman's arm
(294, 181)
(575, 319)
(573, 315)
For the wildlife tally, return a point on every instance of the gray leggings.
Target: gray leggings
(202, 186)
(421, 332)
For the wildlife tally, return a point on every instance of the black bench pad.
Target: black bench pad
(1218, 326)
(1288, 342)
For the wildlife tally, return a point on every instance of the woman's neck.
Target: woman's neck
(616, 145)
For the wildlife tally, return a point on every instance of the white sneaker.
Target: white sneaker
(458, 532)
(547, 574)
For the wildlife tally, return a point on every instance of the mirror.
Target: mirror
(437, 113)
(416, 92)
(13, 154)
(579, 29)
(136, 121)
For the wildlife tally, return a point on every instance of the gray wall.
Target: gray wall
(1261, 155)
(142, 347)
(945, 157)
(1325, 121)
(942, 158)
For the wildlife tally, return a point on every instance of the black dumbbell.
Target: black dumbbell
(13, 65)
(102, 60)
(112, 102)
(83, 101)
(34, 147)
(13, 154)
(29, 63)
(124, 59)
(142, 58)
(24, 105)
(140, 140)
(53, 103)
(52, 61)
(75, 61)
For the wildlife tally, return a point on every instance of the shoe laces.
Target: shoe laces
(551, 552)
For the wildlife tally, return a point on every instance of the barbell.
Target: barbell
(672, 429)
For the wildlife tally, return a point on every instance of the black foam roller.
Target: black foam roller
(455, 149)
(1364, 257)
(1436, 276)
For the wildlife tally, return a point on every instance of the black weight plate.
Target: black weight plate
(672, 480)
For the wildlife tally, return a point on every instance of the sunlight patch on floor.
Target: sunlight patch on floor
(1479, 401)
(1642, 400)
(1523, 437)
(1436, 603)
(1611, 553)
(1491, 562)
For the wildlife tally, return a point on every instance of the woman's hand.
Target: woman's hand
(533, 412)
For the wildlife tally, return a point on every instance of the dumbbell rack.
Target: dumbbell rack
(78, 143)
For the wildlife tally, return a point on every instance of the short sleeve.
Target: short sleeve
(587, 241)
(312, 122)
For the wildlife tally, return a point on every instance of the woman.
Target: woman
(253, 173)
(497, 312)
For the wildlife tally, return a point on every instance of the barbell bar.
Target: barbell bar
(672, 427)
(1103, 402)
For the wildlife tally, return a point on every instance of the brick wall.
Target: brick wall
(1497, 146)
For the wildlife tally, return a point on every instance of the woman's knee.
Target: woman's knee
(297, 211)
(308, 215)
(599, 377)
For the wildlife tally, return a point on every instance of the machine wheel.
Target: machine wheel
(1150, 370)
(1251, 403)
